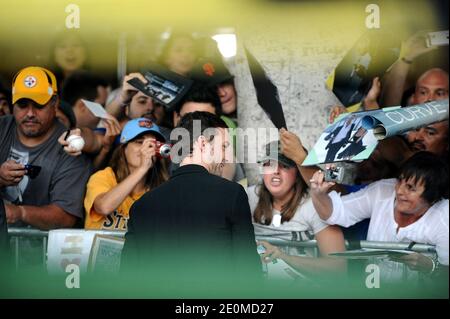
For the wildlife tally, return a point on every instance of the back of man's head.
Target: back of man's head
(82, 85)
(191, 127)
(199, 96)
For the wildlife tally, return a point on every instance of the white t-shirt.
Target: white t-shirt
(376, 202)
(302, 226)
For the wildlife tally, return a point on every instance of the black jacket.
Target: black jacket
(3, 231)
(194, 224)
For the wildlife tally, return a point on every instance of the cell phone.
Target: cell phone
(439, 38)
(32, 170)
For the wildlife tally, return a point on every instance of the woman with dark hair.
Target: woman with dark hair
(179, 53)
(281, 208)
(134, 170)
(412, 208)
(68, 54)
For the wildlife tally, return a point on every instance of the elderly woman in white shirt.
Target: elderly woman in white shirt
(412, 208)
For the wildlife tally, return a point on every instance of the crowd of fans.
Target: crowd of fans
(45, 183)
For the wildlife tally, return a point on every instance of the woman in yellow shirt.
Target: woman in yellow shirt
(134, 169)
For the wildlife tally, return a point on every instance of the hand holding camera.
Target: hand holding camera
(147, 152)
(11, 173)
(318, 184)
(163, 149)
(415, 46)
(334, 174)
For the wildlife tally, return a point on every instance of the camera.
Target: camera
(344, 173)
(439, 38)
(32, 170)
(334, 174)
(163, 149)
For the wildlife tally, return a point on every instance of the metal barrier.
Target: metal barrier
(419, 248)
(17, 233)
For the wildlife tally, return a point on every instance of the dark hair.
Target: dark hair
(407, 95)
(7, 97)
(81, 85)
(157, 175)
(201, 93)
(61, 36)
(190, 120)
(168, 45)
(430, 169)
(263, 212)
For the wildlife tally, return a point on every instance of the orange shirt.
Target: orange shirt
(99, 183)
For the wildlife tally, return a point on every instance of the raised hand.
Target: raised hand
(68, 149)
(370, 101)
(291, 146)
(112, 130)
(128, 91)
(335, 112)
(147, 153)
(318, 184)
(415, 46)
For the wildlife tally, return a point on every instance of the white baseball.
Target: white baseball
(76, 142)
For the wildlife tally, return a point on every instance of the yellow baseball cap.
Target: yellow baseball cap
(35, 83)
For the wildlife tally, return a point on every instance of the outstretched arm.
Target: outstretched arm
(319, 195)
(394, 81)
(330, 240)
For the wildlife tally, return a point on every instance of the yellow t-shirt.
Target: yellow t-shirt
(99, 183)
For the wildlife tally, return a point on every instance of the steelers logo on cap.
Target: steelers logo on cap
(30, 81)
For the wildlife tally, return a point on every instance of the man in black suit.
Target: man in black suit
(197, 226)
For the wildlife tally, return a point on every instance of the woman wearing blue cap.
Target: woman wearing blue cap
(134, 169)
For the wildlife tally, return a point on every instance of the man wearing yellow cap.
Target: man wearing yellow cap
(42, 186)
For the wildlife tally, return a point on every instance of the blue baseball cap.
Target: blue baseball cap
(139, 126)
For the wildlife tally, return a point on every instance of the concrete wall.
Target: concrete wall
(299, 67)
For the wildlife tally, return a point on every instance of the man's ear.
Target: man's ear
(201, 142)
(127, 110)
(79, 105)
